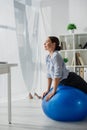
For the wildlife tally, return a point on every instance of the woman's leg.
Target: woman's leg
(76, 81)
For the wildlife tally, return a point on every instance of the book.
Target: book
(63, 45)
(79, 60)
(73, 61)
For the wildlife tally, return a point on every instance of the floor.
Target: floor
(27, 114)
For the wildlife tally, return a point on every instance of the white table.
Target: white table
(6, 68)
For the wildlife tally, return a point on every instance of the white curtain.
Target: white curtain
(37, 27)
(9, 53)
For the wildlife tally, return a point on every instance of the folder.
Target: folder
(85, 74)
(81, 72)
(77, 70)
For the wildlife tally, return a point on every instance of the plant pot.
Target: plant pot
(71, 31)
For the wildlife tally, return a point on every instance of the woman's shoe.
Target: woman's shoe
(30, 96)
(39, 97)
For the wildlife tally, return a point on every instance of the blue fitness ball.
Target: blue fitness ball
(68, 104)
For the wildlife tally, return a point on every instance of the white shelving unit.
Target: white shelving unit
(72, 49)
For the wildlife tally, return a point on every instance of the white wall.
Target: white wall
(59, 15)
(6, 11)
(78, 14)
(66, 11)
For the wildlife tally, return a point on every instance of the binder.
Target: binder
(81, 72)
(85, 74)
(77, 70)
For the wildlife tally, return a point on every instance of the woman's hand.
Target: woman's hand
(44, 94)
(50, 95)
(55, 85)
(48, 87)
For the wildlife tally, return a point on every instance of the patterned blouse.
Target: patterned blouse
(56, 67)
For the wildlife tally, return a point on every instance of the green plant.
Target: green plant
(71, 26)
(65, 60)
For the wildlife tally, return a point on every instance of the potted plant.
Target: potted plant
(71, 27)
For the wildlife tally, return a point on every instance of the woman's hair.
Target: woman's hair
(56, 40)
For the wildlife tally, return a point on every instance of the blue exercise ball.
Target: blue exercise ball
(68, 104)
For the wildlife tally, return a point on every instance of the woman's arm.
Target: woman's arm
(57, 73)
(48, 87)
(55, 85)
(49, 84)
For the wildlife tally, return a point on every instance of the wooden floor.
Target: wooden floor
(28, 115)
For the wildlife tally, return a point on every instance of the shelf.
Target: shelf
(80, 49)
(77, 66)
(72, 45)
(67, 50)
(74, 50)
(77, 34)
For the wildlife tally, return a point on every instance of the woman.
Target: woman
(57, 71)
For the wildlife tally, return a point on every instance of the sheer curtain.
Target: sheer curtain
(36, 26)
(9, 53)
